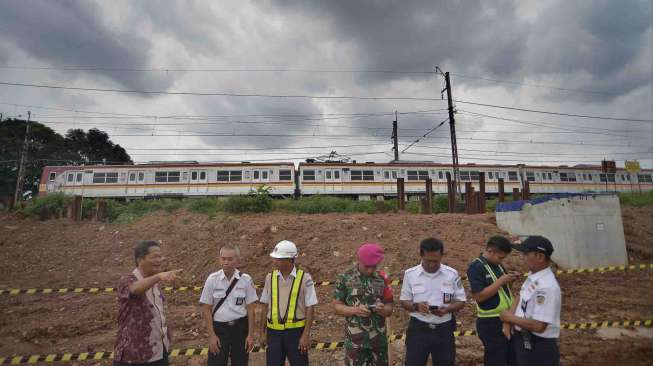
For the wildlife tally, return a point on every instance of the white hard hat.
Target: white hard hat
(284, 249)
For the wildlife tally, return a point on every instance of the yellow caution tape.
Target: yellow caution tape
(326, 346)
(97, 290)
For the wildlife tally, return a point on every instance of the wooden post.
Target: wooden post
(401, 199)
(502, 192)
(428, 205)
(100, 210)
(469, 196)
(76, 211)
(515, 194)
(451, 195)
(481, 192)
(527, 190)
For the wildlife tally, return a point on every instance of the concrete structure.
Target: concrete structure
(586, 230)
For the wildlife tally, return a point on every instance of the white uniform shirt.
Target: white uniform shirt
(234, 307)
(440, 288)
(540, 299)
(310, 296)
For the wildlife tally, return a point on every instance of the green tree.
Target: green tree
(47, 147)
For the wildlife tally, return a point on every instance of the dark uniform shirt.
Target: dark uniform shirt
(479, 279)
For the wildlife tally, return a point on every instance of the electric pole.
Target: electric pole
(395, 138)
(452, 130)
(21, 166)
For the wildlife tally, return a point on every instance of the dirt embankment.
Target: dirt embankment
(60, 253)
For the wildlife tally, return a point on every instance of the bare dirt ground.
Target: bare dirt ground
(60, 253)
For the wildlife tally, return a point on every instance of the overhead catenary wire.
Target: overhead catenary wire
(425, 135)
(304, 96)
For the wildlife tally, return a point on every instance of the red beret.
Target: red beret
(370, 254)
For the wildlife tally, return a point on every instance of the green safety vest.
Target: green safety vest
(277, 322)
(505, 299)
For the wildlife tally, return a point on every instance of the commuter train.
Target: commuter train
(358, 180)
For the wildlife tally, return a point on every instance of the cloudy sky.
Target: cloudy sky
(287, 63)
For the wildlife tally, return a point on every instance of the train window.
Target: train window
(202, 175)
(530, 176)
(235, 175)
(112, 177)
(368, 175)
(549, 176)
(418, 174)
(473, 175)
(173, 176)
(78, 178)
(99, 177)
(394, 174)
(285, 174)
(489, 175)
(336, 174)
(567, 177)
(193, 175)
(310, 174)
(71, 177)
(386, 175)
(257, 174)
(141, 176)
(512, 176)
(161, 177)
(327, 174)
(223, 175)
(52, 177)
(132, 177)
(362, 175)
(440, 175)
(644, 178)
(264, 174)
(608, 178)
(412, 175)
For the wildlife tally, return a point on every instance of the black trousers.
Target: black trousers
(284, 344)
(544, 351)
(232, 343)
(422, 341)
(497, 347)
(161, 362)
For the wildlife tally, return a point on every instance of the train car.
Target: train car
(374, 180)
(168, 179)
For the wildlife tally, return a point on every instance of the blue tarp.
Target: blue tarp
(517, 205)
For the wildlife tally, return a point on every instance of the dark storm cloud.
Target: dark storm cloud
(417, 35)
(489, 39)
(604, 41)
(75, 33)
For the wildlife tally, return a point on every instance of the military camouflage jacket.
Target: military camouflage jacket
(354, 288)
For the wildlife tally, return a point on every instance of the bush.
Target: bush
(255, 201)
(441, 204)
(208, 206)
(636, 199)
(54, 204)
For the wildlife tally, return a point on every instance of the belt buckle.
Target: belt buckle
(231, 323)
(432, 326)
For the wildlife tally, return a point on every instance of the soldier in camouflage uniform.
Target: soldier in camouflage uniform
(364, 296)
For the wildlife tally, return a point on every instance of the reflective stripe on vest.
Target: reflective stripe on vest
(276, 322)
(505, 299)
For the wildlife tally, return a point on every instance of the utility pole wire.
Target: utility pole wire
(424, 135)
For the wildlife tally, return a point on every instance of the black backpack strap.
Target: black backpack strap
(231, 287)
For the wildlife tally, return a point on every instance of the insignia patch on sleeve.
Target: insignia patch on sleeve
(309, 282)
(540, 299)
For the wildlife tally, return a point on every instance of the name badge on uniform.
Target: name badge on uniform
(240, 300)
(447, 292)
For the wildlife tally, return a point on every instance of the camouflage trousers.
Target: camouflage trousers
(365, 356)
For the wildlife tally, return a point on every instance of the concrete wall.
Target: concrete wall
(586, 231)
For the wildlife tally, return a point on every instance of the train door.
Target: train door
(333, 180)
(389, 181)
(261, 175)
(135, 183)
(198, 180)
